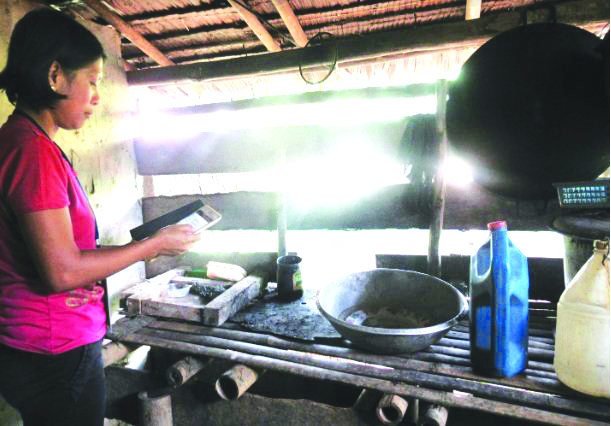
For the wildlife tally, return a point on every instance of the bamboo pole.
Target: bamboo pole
(473, 9)
(282, 201)
(421, 361)
(292, 23)
(256, 26)
(183, 370)
(235, 382)
(436, 415)
(155, 410)
(116, 351)
(391, 409)
(439, 183)
(445, 398)
(380, 371)
(414, 410)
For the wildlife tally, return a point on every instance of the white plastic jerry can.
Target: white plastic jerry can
(582, 354)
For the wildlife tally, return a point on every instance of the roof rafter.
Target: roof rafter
(256, 26)
(410, 41)
(134, 36)
(292, 23)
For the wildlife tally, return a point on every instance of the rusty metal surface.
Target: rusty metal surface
(391, 310)
(298, 319)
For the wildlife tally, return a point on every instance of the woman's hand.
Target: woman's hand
(63, 266)
(175, 239)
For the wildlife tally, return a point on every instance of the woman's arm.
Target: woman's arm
(63, 266)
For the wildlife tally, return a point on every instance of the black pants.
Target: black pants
(55, 390)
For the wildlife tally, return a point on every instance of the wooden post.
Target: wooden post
(181, 371)
(391, 409)
(235, 382)
(473, 9)
(282, 207)
(439, 185)
(155, 410)
(414, 410)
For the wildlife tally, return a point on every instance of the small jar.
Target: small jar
(289, 278)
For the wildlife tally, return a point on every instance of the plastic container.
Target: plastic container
(582, 354)
(498, 286)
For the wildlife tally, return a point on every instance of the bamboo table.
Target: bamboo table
(441, 374)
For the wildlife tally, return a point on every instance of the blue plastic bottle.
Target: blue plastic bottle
(498, 286)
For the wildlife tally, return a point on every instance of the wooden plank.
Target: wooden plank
(153, 300)
(188, 308)
(413, 39)
(131, 298)
(232, 300)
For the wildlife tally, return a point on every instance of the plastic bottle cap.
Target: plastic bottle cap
(499, 224)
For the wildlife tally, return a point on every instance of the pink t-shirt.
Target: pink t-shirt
(34, 176)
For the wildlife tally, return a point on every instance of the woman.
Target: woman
(52, 317)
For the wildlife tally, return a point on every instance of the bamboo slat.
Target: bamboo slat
(441, 374)
(445, 398)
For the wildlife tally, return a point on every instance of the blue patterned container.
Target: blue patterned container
(498, 286)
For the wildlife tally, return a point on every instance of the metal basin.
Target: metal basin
(391, 311)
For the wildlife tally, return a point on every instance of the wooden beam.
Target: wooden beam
(290, 20)
(411, 40)
(390, 207)
(222, 307)
(256, 26)
(392, 92)
(473, 9)
(247, 150)
(129, 32)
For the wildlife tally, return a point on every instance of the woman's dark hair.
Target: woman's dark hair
(41, 37)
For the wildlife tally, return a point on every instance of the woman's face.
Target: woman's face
(81, 89)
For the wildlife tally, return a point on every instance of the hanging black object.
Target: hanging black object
(417, 152)
(531, 108)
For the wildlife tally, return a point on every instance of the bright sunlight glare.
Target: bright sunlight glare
(342, 176)
(457, 172)
(153, 125)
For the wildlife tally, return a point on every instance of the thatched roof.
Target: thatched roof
(159, 33)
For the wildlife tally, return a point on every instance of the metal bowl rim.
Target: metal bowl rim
(379, 331)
